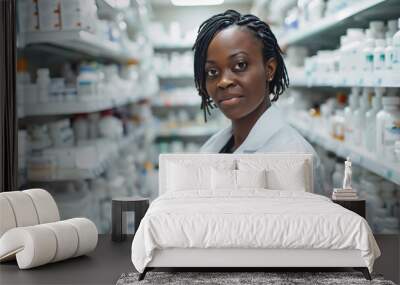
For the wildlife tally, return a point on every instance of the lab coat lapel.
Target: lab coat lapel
(270, 122)
(218, 141)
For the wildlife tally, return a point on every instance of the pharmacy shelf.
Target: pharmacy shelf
(194, 131)
(81, 42)
(172, 104)
(298, 78)
(172, 47)
(335, 25)
(386, 169)
(109, 152)
(177, 77)
(76, 107)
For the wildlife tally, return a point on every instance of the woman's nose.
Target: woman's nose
(225, 81)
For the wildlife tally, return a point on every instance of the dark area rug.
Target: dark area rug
(229, 278)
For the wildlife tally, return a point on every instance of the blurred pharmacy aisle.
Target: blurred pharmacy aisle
(105, 86)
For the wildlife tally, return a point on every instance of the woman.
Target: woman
(237, 66)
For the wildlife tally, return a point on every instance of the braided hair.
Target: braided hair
(209, 28)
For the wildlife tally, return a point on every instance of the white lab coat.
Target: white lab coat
(271, 133)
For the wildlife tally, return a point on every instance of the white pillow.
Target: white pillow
(230, 180)
(281, 174)
(293, 179)
(251, 178)
(223, 179)
(182, 177)
(185, 174)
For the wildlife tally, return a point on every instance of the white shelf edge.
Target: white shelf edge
(193, 131)
(320, 26)
(343, 81)
(78, 40)
(184, 76)
(172, 47)
(76, 107)
(388, 170)
(174, 105)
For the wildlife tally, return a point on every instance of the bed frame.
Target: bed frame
(242, 258)
(256, 258)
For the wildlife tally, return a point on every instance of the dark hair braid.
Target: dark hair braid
(209, 28)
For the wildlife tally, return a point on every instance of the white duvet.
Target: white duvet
(250, 219)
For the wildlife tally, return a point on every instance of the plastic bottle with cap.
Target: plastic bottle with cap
(354, 99)
(87, 82)
(356, 37)
(392, 29)
(369, 140)
(368, 51)
(379, 55)
(378, 29)
(396, 50)
(81, 128)
(388, 127)
(375, 31)
(359, 117)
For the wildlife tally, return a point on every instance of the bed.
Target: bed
(247, 210)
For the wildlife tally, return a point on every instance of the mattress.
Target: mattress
(250, 219)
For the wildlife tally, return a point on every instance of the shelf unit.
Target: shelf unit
(326, 32)
(323, 34)
(386, 169)
(165, 105)
(80, 42)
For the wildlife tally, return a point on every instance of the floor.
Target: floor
(110, 260)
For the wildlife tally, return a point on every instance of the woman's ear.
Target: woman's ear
(270, 68)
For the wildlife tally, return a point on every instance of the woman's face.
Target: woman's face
(236, 74)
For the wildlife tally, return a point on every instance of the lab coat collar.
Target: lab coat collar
(270, 122)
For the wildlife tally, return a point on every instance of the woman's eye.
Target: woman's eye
(212, 73)
(240, 66)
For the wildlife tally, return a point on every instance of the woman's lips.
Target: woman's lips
(230, 102)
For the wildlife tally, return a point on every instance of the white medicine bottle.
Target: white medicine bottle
(358, 119)
(368, 51)
(396, 50)
(392, 29)
(87, 82)
(388, 127)
(370, 120)
(379, 54)
(354, 99)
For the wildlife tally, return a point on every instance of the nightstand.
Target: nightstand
(357, 206)
(120, 206)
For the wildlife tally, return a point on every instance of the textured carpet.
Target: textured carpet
(229, 278)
